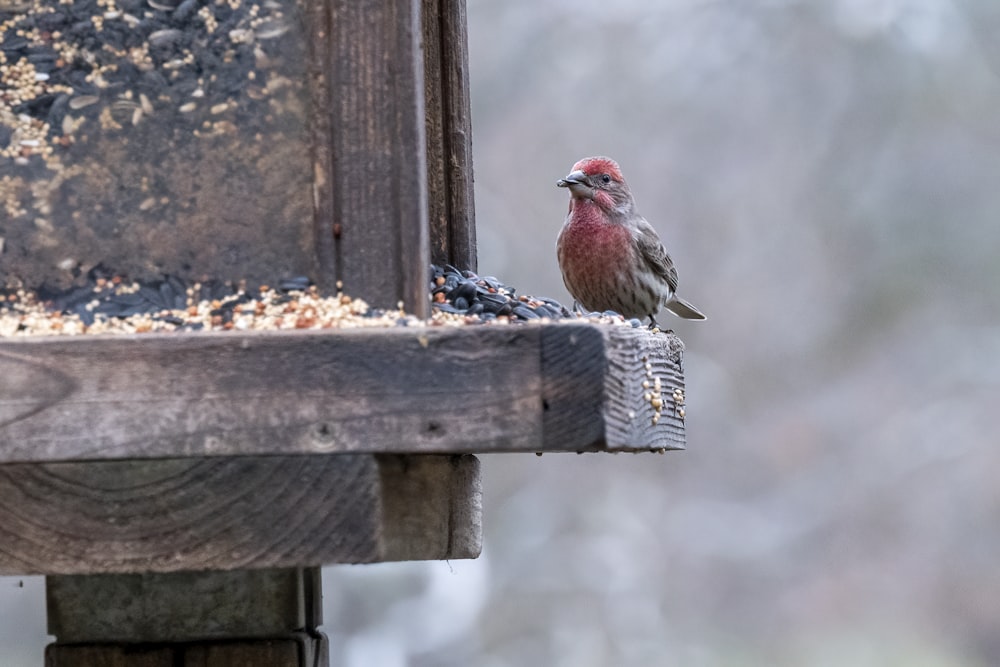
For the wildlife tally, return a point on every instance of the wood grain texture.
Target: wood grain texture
(317, 29)
(118, 655)
(573, 371)
(437, 496)
(618, 410)
(399, 390)
(299, 651)
(642, 368)
(182, 606)
(302, 651)
(549, 387)
(449, 134)
(379, 154)
(187, 514)
(226, 513)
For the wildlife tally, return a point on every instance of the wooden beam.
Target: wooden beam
(182, 606)
(449, 134)
(123, 655)
(550, 387)
(436, 506)
(379, 154)
(235, 513)
(317, 28)
(303, 650)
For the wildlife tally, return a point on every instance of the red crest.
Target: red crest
(599, 165)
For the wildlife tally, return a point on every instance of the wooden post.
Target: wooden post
(378, 151)
(262, 618)
(449, 134)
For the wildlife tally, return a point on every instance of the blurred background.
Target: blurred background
(826, 176)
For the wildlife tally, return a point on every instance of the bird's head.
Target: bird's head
(600, 180)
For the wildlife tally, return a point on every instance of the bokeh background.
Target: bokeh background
(827, 177)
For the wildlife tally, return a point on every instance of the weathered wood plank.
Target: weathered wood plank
(231, 513)
(303, 651)
(317, 30)
(573, 365)
(195, 619)
(551, 387)
(449, 134)
(187, 514)
(426, 390)
(431, 497)
(641, 365)
(182, 606)
(120, 655)
(379, 155)
(300, 651)
(624, 365)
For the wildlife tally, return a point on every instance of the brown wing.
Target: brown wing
(651, 250)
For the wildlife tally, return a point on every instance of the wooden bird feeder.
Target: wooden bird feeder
(180, 491)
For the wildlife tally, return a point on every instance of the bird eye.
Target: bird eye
(605, 178)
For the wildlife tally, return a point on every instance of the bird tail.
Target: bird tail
(683, 309)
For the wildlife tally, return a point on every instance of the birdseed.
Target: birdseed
(110, 304)
(153, 127)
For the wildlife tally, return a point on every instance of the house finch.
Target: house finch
(611, 258)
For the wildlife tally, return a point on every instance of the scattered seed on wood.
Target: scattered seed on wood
(100, 96)
(109, 303)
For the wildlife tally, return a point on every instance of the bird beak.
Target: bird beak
(576, 181)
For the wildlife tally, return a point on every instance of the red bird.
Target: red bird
(611, 258)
